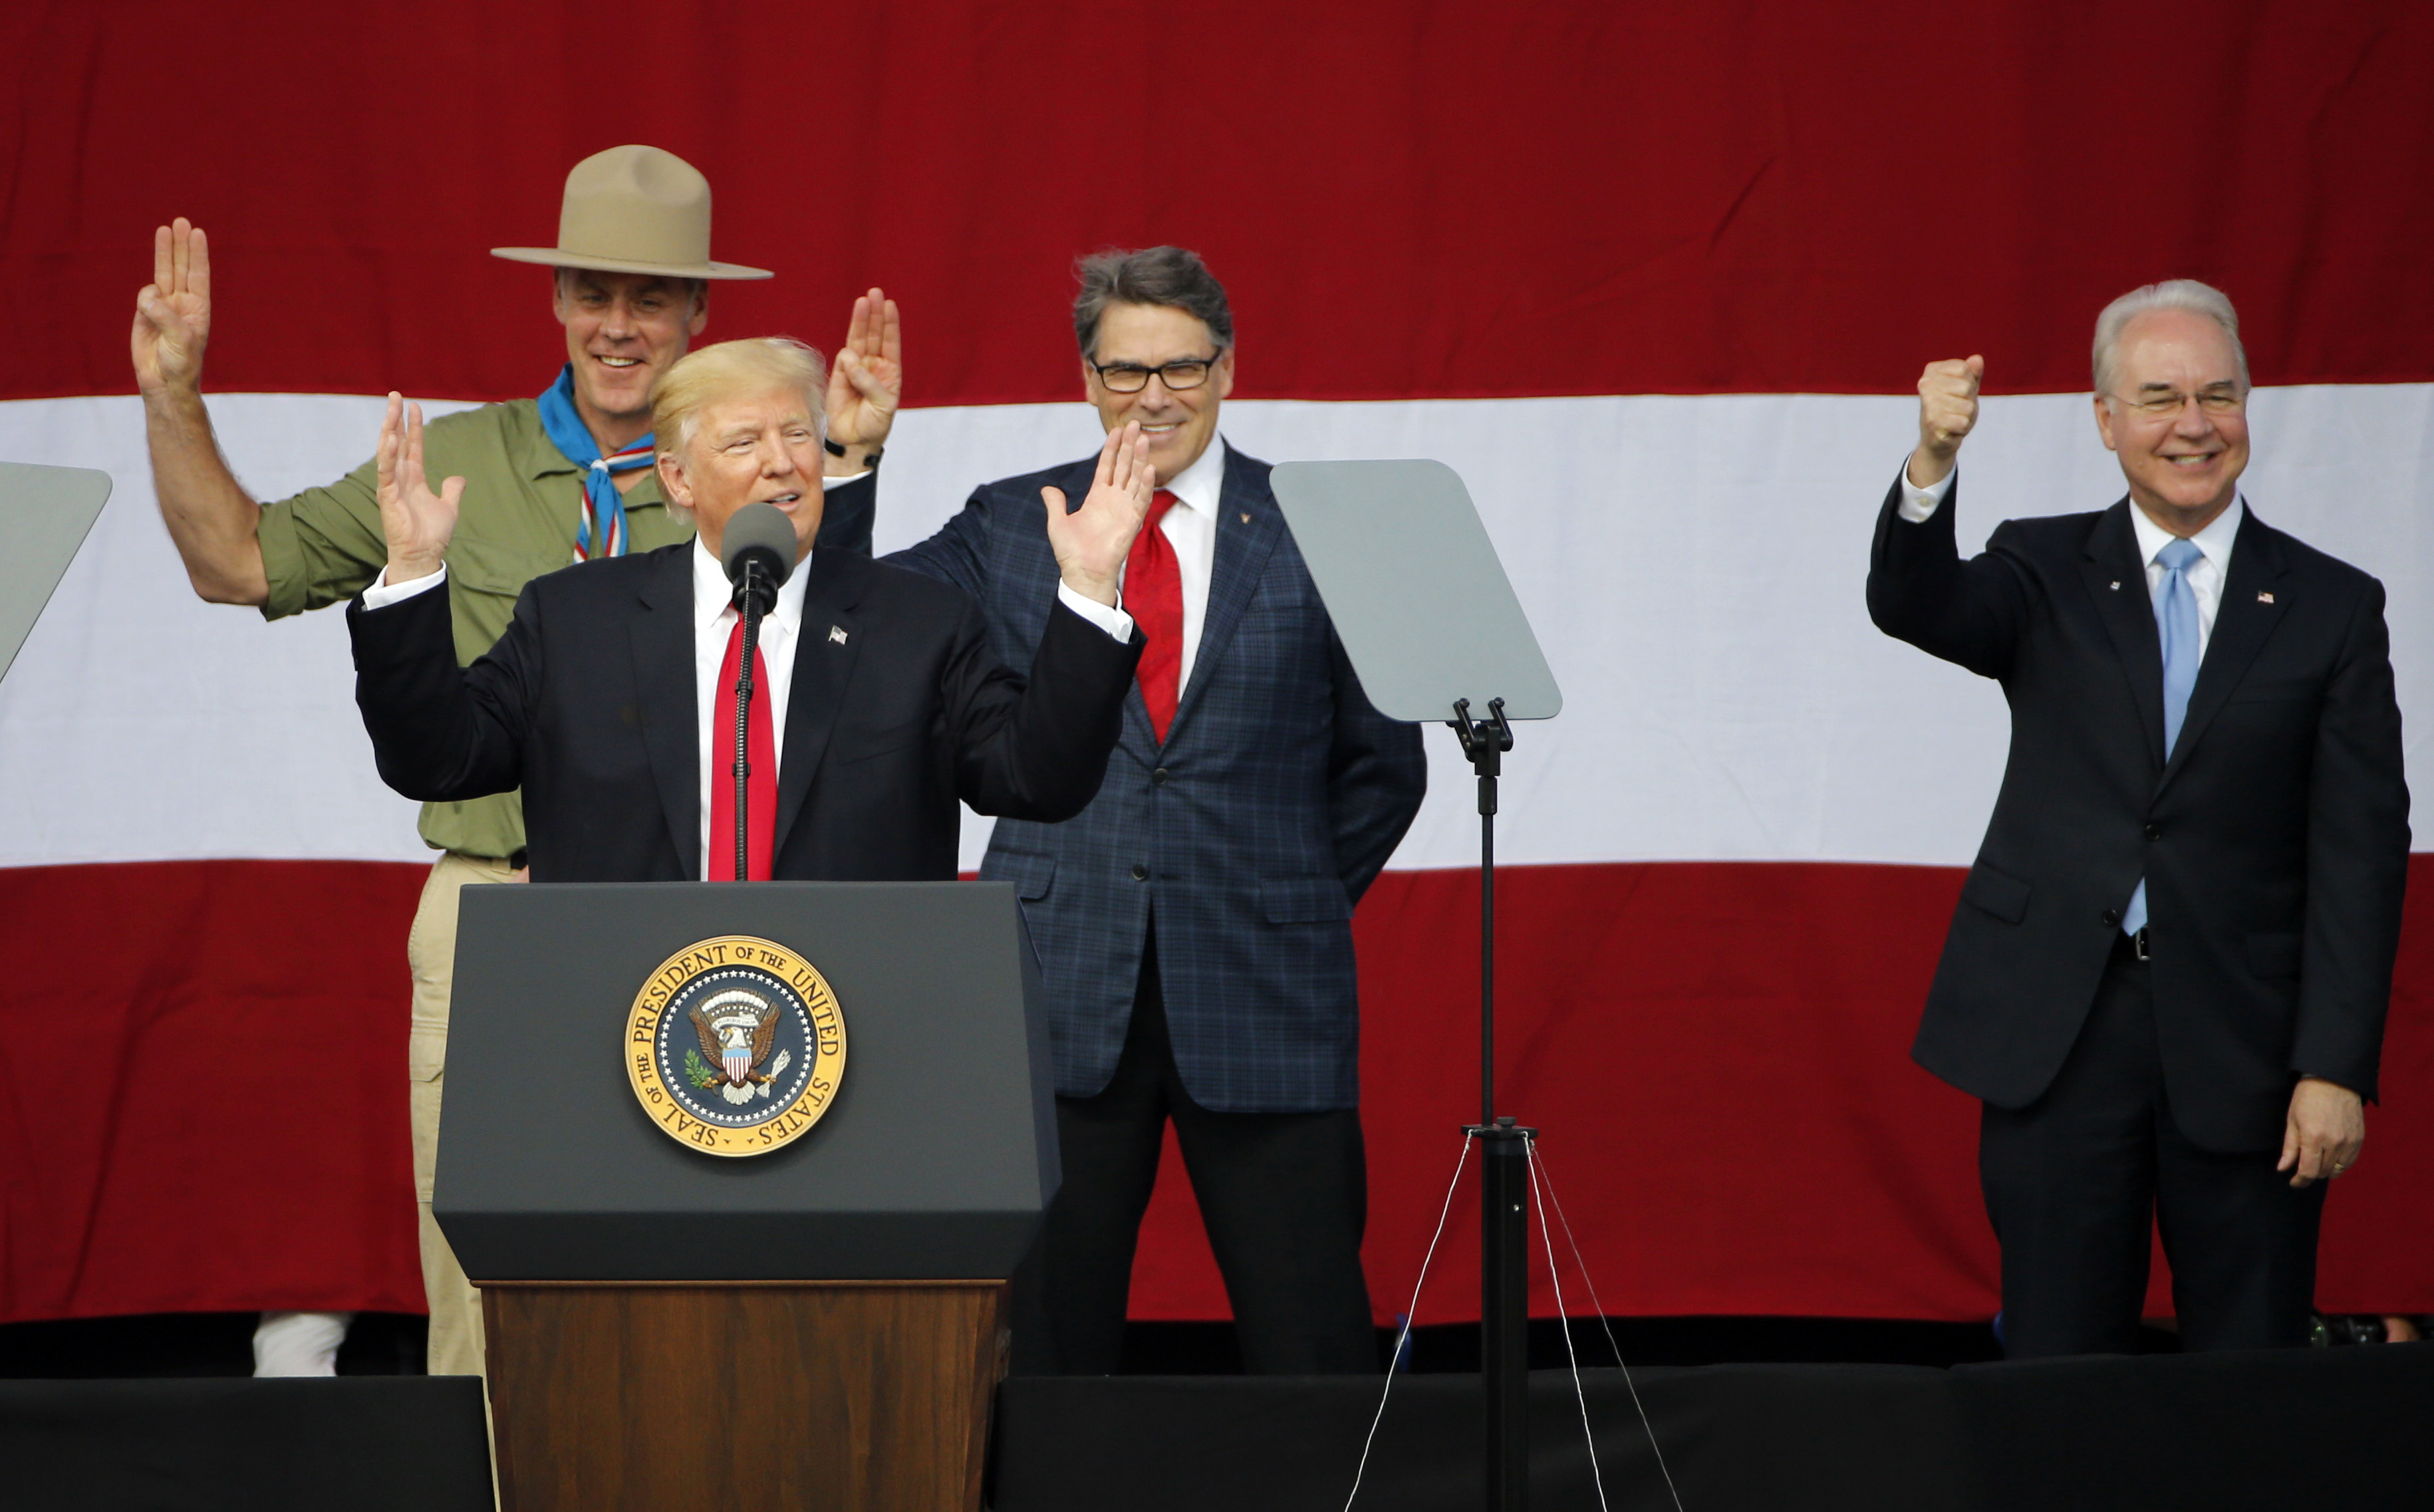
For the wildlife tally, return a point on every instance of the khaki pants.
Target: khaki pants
(431, 954)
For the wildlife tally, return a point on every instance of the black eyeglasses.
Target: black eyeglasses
(1131, 377)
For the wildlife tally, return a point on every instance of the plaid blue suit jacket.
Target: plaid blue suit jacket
(1274, 802)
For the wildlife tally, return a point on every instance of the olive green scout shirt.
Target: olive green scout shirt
(523, 500)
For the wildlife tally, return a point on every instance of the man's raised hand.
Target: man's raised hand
(1947, 409)
(866, 381)
(1092, 543)
(416, 521)
(173, 313)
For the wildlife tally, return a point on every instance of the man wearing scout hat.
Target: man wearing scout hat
(566, 477)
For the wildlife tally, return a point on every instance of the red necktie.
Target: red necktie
(1154, 598)
(762, 748)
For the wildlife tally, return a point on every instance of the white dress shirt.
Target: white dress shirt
(2206, 575)
(1191, 528)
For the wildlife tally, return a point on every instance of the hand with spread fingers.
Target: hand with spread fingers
(1947, 411)
(173, 313)
(1091, 542)
(866, 383)
(415, 522)
(2324, 1132)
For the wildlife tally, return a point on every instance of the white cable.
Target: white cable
(1545, 1236)
(1586, 1279)
(1411, 1315)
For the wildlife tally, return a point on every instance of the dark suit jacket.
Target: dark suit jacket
(2274, 840)
(1276, 800)
(588, 703)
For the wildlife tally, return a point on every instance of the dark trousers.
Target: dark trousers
(1285, 1196)
(2075, 1180)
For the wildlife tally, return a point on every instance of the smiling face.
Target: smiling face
(762, 445)
(2184, 467)
(1178, 425)
(623, 329)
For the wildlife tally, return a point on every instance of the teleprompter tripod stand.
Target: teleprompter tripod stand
(1503, 1165)
(1431, 625)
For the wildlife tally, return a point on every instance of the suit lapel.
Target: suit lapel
(1248, 526)
(2250, 609)
(663, 680)
(823, 664)
(2117, 580)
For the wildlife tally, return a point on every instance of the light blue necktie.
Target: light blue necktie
(2176, 623)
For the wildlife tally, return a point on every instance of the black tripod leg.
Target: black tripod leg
(1505, 1314)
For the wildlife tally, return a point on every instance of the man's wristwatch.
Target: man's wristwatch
(869, 458)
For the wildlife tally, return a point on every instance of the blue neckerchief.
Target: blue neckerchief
(567, 432)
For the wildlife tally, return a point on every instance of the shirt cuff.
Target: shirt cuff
(1918, 503)
(379, 594)
(1114, 621)
(827, 483)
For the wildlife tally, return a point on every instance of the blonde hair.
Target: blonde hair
(704, 377)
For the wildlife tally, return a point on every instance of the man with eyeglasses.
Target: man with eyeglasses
(1193, 924)
(2167, 973)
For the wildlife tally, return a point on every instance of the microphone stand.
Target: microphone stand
(753, 595)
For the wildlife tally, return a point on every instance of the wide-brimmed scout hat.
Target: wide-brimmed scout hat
(634, 210)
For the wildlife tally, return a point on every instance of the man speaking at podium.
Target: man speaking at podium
(611, 696)
(566, 476)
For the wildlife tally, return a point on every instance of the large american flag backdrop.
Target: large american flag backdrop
(1656, 280)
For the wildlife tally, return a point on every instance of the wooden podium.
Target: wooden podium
(800, 1394)
(822, 1326)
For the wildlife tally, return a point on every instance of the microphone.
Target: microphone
(758, 551)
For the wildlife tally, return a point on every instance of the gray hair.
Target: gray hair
(1171, 276)
(2172, 294)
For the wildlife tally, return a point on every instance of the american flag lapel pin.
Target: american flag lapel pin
(837, 635)
(2264, 597)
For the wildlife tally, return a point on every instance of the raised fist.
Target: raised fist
(1947, 409)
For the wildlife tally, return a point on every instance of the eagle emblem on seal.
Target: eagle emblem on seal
(736, 1028)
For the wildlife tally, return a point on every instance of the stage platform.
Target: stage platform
(2271, 1429)
(2340, 1428)
(361, 1443)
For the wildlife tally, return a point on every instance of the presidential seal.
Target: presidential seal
(735, 1047)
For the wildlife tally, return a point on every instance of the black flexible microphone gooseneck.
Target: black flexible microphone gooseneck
(758, 551)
